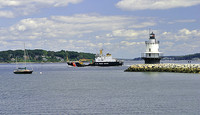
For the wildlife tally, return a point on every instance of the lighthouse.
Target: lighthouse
(152, 54)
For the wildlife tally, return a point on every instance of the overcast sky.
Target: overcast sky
(120, 27)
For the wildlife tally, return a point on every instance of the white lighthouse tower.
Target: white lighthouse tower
(152, 54)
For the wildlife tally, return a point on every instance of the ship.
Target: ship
(106, 60)
(100, 60)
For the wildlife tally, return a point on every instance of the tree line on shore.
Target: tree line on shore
(39, 55)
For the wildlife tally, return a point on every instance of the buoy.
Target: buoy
(40, 72)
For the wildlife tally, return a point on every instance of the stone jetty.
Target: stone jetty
(167, 67)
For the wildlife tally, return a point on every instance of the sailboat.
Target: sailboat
(23, 70)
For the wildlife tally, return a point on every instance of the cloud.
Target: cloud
(54, 3)
(154, 4)
(89, 33)
(26, 7)
(189, 33)
(183, 21)
(128, 33)
(126, 43)
(80, 32)
(181, 36)
(94, 22)
(143, 25)
(125, 33)
(6, 14)
(180, 42)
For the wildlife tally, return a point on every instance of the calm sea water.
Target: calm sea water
(97, 91)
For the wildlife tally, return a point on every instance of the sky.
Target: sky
(120, 27)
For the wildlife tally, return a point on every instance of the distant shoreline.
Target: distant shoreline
(118, 59)
(30, 62)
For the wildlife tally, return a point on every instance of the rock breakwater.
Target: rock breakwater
(179, 68)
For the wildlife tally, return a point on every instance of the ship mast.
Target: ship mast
(101, 52)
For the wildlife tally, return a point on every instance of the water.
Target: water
(97, 91)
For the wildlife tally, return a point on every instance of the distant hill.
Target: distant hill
(195, 56)
(186, 57)
(39, 55)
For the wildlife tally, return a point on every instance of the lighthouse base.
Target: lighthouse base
(152, 60)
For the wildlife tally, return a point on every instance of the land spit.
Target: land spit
(167, 67)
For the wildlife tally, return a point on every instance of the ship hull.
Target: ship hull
(70, 63)
(106, 64)
(97, 64)
(76, 64)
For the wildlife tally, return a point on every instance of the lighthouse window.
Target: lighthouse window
(149, 55)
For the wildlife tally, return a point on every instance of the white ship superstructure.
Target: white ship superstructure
(104, 58)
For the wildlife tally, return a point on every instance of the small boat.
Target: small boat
(23, 70)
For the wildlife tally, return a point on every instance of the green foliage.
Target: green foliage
(39, 55)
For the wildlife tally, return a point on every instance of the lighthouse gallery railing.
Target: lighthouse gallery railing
(152, 55)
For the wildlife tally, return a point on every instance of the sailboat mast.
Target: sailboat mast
(24, 55)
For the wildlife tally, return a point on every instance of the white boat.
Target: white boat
(105, 60)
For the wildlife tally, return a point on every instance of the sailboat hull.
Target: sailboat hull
(22, 72)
